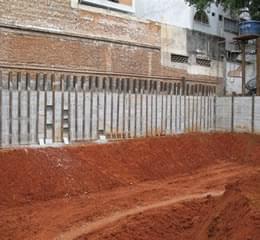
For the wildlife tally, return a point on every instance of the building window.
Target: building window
(179, 58)
(201, 17)
(231, 25)
(203, 62)
(118, 5)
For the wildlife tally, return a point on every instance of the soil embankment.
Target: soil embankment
(153, 188)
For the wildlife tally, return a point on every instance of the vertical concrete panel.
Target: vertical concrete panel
(87, 115)
(72, 116)
(175, 113)
(138, 115)
(242, 114)
(195, 112)
(80, 116)
(15, 118)
(5, 118)
(33, 118)
(58, 114)
(168, 115)
(192, 113)
(66, 117)
(49, 116)
(182, 114)
(121, 119)
(108, 113)
(41, 123)
(179, 112)
(223, 113)
(95, 115)
(257, 115)
(101, 110)
(159, 114)
(149, 119)
(205, 113)
(128, 112)
(132, 114)
(24, 131)
(191, 102)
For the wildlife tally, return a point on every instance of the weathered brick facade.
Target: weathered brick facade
(52, 34)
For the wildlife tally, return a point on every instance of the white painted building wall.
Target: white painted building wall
(234, 76)
(180, 14)
(174, 41)
(171, 12)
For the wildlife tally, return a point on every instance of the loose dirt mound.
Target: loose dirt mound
(43, 174)
(233, 216)
(139, 189)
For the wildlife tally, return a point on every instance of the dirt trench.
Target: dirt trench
(195, 186)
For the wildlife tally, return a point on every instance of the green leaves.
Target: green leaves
(233, 5)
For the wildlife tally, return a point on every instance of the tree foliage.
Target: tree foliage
(233, 5)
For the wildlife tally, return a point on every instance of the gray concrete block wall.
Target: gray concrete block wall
(223, 113)
(27, 116)
(243, 114)
(257, 115)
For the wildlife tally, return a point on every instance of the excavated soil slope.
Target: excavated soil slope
(155, 188)
(233, 216)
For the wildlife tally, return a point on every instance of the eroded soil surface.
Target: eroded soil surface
(198, 186)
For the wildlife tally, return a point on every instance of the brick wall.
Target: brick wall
(50, 33)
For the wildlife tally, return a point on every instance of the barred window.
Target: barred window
(231, 25)
(203, 62)
(179, 58)
(118, 5)
(201, 17)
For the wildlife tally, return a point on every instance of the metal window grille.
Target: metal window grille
(203, 62)
(179, 58)
(231, 25)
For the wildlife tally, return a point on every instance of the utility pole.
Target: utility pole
(258, 66)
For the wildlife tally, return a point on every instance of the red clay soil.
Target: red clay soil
(107, 191)
(233, 216)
